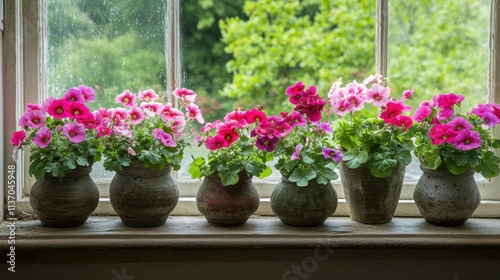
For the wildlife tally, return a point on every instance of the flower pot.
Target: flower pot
(143, 197)
(303, 206)
(446, 199)
(67, 201)
(371, 200)
(227, 205)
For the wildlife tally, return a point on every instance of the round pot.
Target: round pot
(143, 197)
(371, 200)
(446, 199)
(65, 201)
(227, 205)
(303, 206)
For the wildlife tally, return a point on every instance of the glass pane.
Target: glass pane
(439, 46)
(108, 45)
(245, 53)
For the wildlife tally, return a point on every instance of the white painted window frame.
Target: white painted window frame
(24, 62)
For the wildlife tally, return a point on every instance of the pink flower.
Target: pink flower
(56, 108)
(87, 93)
(168, 113)
(165, 138)
(391, 110)
(407, 94)
(295, 119)
(311, 105)
(103, 131)
(422, 112)
(75, 132)
(136, 115)
(185, 95)
(467, 140)
(178, 123)
(355, 100)
(441, 133)
(448, 100)
(126, 98)
(229, 134)
(46, 103)
(118, 114)
(151, 108)
(255, 115)
(122, 130)
(375, 79)
(148, 95)
(401, 121)
(34, 107)
(76, 110)
(42, 137)
(341, 107)
(237, 115)
(295, 92)
(131, 151)
(266, 143)
(378, 95)
(458, 124)
(324, 126)
(296, 154)
(446, 113)
(74, 95)
(490, 119)
(216, 142)
(35, 119)
(336, 155)
(17, 138)
(194, 113)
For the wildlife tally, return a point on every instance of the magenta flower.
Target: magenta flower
(341, 107)
(76, 110)
(126, 98)
(74, 95)
(336, 155)
(448, 100)
(422, 112)
(46, 103)
(355, 100)
(75, 132)
(378, 95)
(324, 126)
(17, 138)
(131, 151)
(136, 115)
(185, 95)
(375, 79)
(35, 119)
(42, 137)
(296, 154)
(392, 110)
(467, 140)
(87, 93)
(151, 108)
(34, 107)
(266, 143)
(194, 113)
(255, 115)
(216, 142)
(148, 95)
(459, 123)
(165, 138)
(168, 113)
(56, 108)
(490, 119)
(295, 92)
(103, 131)
(295, 119)
(407, 94)
(441, 133)
(446, 113)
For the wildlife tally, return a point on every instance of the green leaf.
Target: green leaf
(307, 159)
(229, 178)
(328, 174)
(454, 167)
(355, 158)
(489, 166)
(266, 172)
(195, 168)
(302, 177)
(432, 159)
(252, 169)
(381, 166)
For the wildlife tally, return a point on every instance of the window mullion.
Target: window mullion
(381, 37)
(172, 45)
(494, 80)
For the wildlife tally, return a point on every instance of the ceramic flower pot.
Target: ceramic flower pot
(227, 205)
(303, 206)
(446, 199)
(67, 201)
(143, 197)
(371, 200)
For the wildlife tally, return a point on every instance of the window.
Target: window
(264, 46)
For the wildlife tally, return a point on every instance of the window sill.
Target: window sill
(184, 233)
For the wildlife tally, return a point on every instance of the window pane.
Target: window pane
(245, 53)
(109, 45)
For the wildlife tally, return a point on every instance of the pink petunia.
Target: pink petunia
(266, 143)
(448, 100)
(355, 100)
(74, 95)
(126, 98)
(422, 112)
(336, 155)
(75, 132)
(324, 126)
(216, 142)
(490, 119)
(42, 137)
(87, 93)
(165, 138)
(194, 113)
(76, 110)
(148, 95)
(391, 110)
(341, 107)
(33, 107)
(407, 94)
(378, 95)
(458, 124)
(135, 115)
(237, 115)
(17, 138)
(446, 113)
(168, 113)
(46, 103)
(296, 154)
(401, 121)
(131, 151)
(295, 92)
(56, 108)
(151, 108)
(441, 133)
(35, 119)
(467, 140)
(295, 119)
(103, 131)
(185, 95)
(375, 79)
(229, 134)
(255, 115)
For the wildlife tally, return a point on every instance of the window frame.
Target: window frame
(24, 58)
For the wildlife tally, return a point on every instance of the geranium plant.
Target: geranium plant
(300, 140)
(151, 133)
(446, 136)
(60, 134)
(372, 127)
(232, 148)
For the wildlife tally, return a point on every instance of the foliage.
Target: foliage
(232, 148)
(299, 140)
(371, 126)
(446, 136)
(150, 133)
(59, 133)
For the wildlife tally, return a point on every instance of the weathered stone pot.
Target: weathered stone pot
(303, 206)
(67, 201)
(446, 199)
(371, 200)
(227, 205)
(143, 197)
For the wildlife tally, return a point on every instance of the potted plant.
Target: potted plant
(371, 128)
(63, 144)
(452, 146)
(144, 142)
(227, 195)
(305, 156)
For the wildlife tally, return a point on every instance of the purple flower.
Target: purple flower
(42, 137)
(165, 138)
(75, 132)
(325, 126)
(459, 123)
(296, 119)
(467, 140)
(296, 154)
(266, 143)
(490, 119)
(336, 155)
